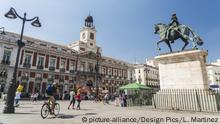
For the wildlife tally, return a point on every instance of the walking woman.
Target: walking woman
(72, 99)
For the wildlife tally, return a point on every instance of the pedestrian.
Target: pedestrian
(35, 96)
(121, 101)
(1, 91)
(18, 94)
(124, 98)
(72, 99)
(106, 98)
(64, 95)
(32, 97)
(78, 98)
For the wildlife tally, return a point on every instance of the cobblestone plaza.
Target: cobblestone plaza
(29, 113)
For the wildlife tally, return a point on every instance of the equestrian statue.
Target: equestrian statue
(173, 31)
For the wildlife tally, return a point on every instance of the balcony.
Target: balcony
(40, 67)
(3, 74)
(27, 65)
(86, 72)
(62, 80)
(24, 78)
(38, 78)
(62, 70)
(5, 62)
(50, 79)
(52, 68)
(72, 71)
(71, 81)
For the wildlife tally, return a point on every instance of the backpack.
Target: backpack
(49, 89)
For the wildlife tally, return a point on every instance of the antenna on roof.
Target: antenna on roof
(135, 59)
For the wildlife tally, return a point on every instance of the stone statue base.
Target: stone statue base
(186, 69)
(184, 83)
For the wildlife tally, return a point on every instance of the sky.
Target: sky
(125, 28)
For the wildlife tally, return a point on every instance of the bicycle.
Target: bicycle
(46, 109)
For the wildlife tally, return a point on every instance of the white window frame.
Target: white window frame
(38, 60)
(54, 62)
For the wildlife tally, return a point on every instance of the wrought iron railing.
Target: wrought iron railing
(5, 62)
(51, 68)
(40, 67)
(27, 65)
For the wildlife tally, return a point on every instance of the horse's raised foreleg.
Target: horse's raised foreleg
(158, 42)
(194, 42)
(194, 45)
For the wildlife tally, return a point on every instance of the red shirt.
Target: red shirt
(78, 97)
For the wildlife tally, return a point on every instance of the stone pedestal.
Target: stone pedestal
(183, 70)
(184, 83)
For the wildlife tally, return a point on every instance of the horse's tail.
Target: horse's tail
(196, 37)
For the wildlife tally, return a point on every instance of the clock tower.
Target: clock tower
(88, 32)
(87, 40)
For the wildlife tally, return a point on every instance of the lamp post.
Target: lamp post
(12, 14)
(146, 72)
(3, 30)
(98, 57)
(76, 70)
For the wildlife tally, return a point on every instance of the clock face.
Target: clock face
(83, 36)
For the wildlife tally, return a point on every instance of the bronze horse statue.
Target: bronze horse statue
(182, 32)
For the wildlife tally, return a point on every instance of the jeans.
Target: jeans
(16, 101)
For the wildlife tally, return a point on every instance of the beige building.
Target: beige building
(42, 62)
(216, 63)
(147, 74)
(213, 72)
(152, 62)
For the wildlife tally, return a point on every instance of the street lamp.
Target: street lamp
(146, 72)
(76, 67)
(98, 57)
(12, 14)
(3, 30)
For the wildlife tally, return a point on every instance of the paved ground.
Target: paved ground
(29, 113)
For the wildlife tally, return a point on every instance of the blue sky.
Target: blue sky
(125, 28)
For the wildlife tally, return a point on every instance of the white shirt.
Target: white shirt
(72, 94)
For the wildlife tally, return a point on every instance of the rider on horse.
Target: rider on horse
(174, 20)
(174, 25)
(175, 30)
